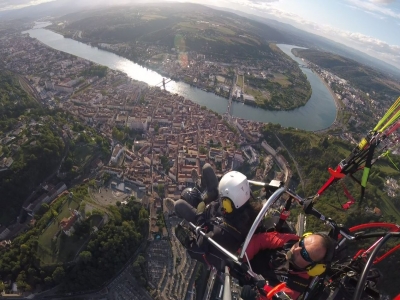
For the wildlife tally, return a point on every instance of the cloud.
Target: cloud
(365, 43)
(378, 16)
(262, 1)
(16, 4)
(372, 46)
(373, 6)
(382, 1)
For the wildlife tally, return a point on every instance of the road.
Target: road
(294, 161)
(229, 109)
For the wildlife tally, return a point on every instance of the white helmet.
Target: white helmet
(235, 187)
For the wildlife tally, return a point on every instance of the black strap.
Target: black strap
(233, 231)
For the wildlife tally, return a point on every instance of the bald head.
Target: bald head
(315, 247)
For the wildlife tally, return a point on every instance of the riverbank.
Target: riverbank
(318, 113)
(338, 103)
(190, 80)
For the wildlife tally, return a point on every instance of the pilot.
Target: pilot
(288, 262)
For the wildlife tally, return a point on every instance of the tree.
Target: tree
(58, 275)
(136, 268)
(202, 150)
(160, 189)
(118, 203)
(85, 256)
(117, 134)
(24, 248)
(44, 207)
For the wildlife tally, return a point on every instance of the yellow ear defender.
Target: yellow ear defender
(227, 205)
(314, 269)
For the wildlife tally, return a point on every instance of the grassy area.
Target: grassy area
(53, 247)
(152, 17)
(83, 153)
(239, 81)
(282, 80)
(257, 94)
(225, 39)
(225, 30)
(387, 207)
(342, 152)
(68, 246)
(388, 170)
(189, 26)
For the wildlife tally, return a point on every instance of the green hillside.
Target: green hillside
(362, 77)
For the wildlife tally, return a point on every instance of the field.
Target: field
(260, 96)
(53, 247)
(388, 208)
(239, 81)
(152, 17)
(282, 80)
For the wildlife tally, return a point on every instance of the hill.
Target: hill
(360, 76)
(32, 147)
(201, 46)
(198, 27)
(309, 40)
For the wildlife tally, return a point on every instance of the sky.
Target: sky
(371, 26)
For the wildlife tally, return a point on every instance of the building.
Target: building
(117, 152)
(67, 225)
(4, 231)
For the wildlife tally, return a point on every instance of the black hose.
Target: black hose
(363, 277)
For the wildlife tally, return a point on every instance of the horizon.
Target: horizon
(348, 22)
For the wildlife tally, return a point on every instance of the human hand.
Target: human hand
(201, 207)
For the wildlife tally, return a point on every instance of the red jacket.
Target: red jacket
(273, 240)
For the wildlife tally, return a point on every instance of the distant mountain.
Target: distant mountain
(359, 75)
(181, 25)
(310, 40)
(280, 32)
(54, 8)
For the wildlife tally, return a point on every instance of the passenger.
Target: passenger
(227, 221)
(286, 258)
(195, 199)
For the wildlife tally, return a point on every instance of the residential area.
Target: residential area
(168, 136)
(156, 138)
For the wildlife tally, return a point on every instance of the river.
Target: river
(319, 112)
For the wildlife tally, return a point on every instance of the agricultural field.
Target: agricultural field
(240, 81)
(281, 79)
(150, 17)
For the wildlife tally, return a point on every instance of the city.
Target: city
(156, 140)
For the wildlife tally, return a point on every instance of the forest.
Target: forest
(107, 251)
(32, 143)
(31, 138)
